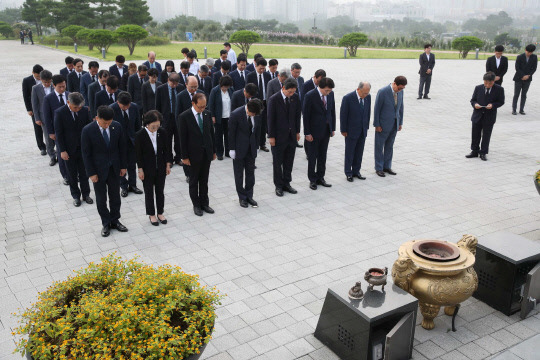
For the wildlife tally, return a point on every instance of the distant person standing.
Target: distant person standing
(526, 64)
(27, 85)
(231, 55)
(21, 35)
(485, 101)
(498, 64)
(427, 63)
(30, 37)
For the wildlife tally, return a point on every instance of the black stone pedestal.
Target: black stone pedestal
(380, 326)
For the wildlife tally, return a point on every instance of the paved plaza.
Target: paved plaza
(275, 263)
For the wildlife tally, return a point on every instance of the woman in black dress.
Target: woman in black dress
(154, 159)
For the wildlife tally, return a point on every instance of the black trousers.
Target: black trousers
(110, 187)
(76, 176)
(244, 167)
(198, 181)
(154, 184)
(520, 87)
(264, 126)
(130, 178)
(354, 152)
(221, 134)
(425, 84)
(62, 167)
(283, 160)
(317, 150)
(38, 131)
(481, 130)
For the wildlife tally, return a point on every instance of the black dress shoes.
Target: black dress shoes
(427, 98)
(289, 189)
(198, 211)
(298, 145)
(380, 173)
(514, 112)
(350, 179)
(135, 190)
(118, 226)
(522, 112)
(124, 193)
(279, 192)
(473, 154)
(155, 223)
(252, 202)
(106, 231)
(207, 209)
(43, 152)
(359, 176)
(389, 171)
(65, 182)
(323, 183)
(243, 203)
(264, 148)
(483, 157)
(163, 221)
(77, 202)
(313, 185)
(53, 161)
(220, 158)
(88, 200)
(419, 98)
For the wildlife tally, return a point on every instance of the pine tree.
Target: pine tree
(106, 12)
(133, 12)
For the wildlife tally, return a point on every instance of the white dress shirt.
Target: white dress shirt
(47, 90)
(63, 96)
(263, 85)
(121, 71)
(153, 86)
(194, 67)
(497, 61)
(226, 104)
(107, 130)
(231, 56)
(153, 138)
(427, 55)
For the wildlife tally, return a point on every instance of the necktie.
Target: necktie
(250, 124)
(106, 137)
(173, 100)
(487, 91)
(62, 102)
(242, 76)
(395, 99)
(76, 117)
(185, 80)
(362, 105)
(93, 78)
(79, 76)
(141, 80)
(102, 87)
(261, 89)
(199, 119)
(287, 104)
(324, 101)
(202, 83)
(126, 117)
(111, 99)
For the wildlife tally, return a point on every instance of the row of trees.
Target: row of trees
(103, 38)
(58, 14)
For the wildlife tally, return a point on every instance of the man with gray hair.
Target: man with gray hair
(205, 81)
(354, 124)
(276, 84)
(69, 121)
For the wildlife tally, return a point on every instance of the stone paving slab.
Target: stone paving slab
(276, 262)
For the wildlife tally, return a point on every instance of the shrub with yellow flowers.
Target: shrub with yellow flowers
(120, 309)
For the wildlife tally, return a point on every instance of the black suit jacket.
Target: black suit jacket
(135, 88)
(73, 81)
(151, 162)
(238, 83)
(426, 64)
(308, 86)
(183, 102)
(491, 65)
(525, 68)
(65, 72)
(250, 67)
(194, 144)
(253, 78)
(283, 125)
(238, 99)
(27, 85)
(242, 139)
(317, 119)
(130, 128)
(68, 131)
(207, 88)
(163, 102)
(93, 89)
(97, 156)
(182, 80)
(495, 97)
(149, 96)
(113, 70)
(102, 98)
(215, 78)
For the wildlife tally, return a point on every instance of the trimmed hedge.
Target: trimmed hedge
(155, 40)
(62, 40)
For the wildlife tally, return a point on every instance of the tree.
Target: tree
(465, 44)
(76, 12)
(11, 15)
(33, 12)
(505, 39)
(105, 12)
(83, 36)
(71, 31)
(5, 29)
(131, 35)
(133, 12)
(352, 41)
(102, 38)
(244, 39)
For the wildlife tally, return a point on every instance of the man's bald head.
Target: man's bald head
(192, 84)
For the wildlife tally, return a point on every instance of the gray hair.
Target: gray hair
(210, 62)
(76, 99)
(284, 72)
(296, 66)
(364, 83)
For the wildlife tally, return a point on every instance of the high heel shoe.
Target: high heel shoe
(164, 221)
(152, 222)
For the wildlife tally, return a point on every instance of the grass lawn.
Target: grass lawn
(172, 51)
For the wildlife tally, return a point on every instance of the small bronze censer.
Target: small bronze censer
(356, 292)
(376, 277)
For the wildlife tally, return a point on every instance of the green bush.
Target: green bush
(71, 31)
(102, 38)
(83, 35)
(5, 29)
(155, 40)
(131, 35)
(62, 40)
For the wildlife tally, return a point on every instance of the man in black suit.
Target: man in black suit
(222, 58)
(69, 121)
(224, 70)
(244, 127)
(126, 114)
(427, 63)
(284, 113)
(87, 79)
(135, 83)
(109, 95)
(526, 64)
(198, 150)
(314, 81)
(69, 67)
(486, 99)
(94, 88)
(319, 125)
(166, 105)
(184, 73)
(261, 78)
(27, 85)
(272, 68)
(74, 79)
(239, 75)
(39, 91)
(296, 70)
(251, 67)
(119, 69)
(103, 148)
(205, 82)
(241, 97)
(497, 64)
